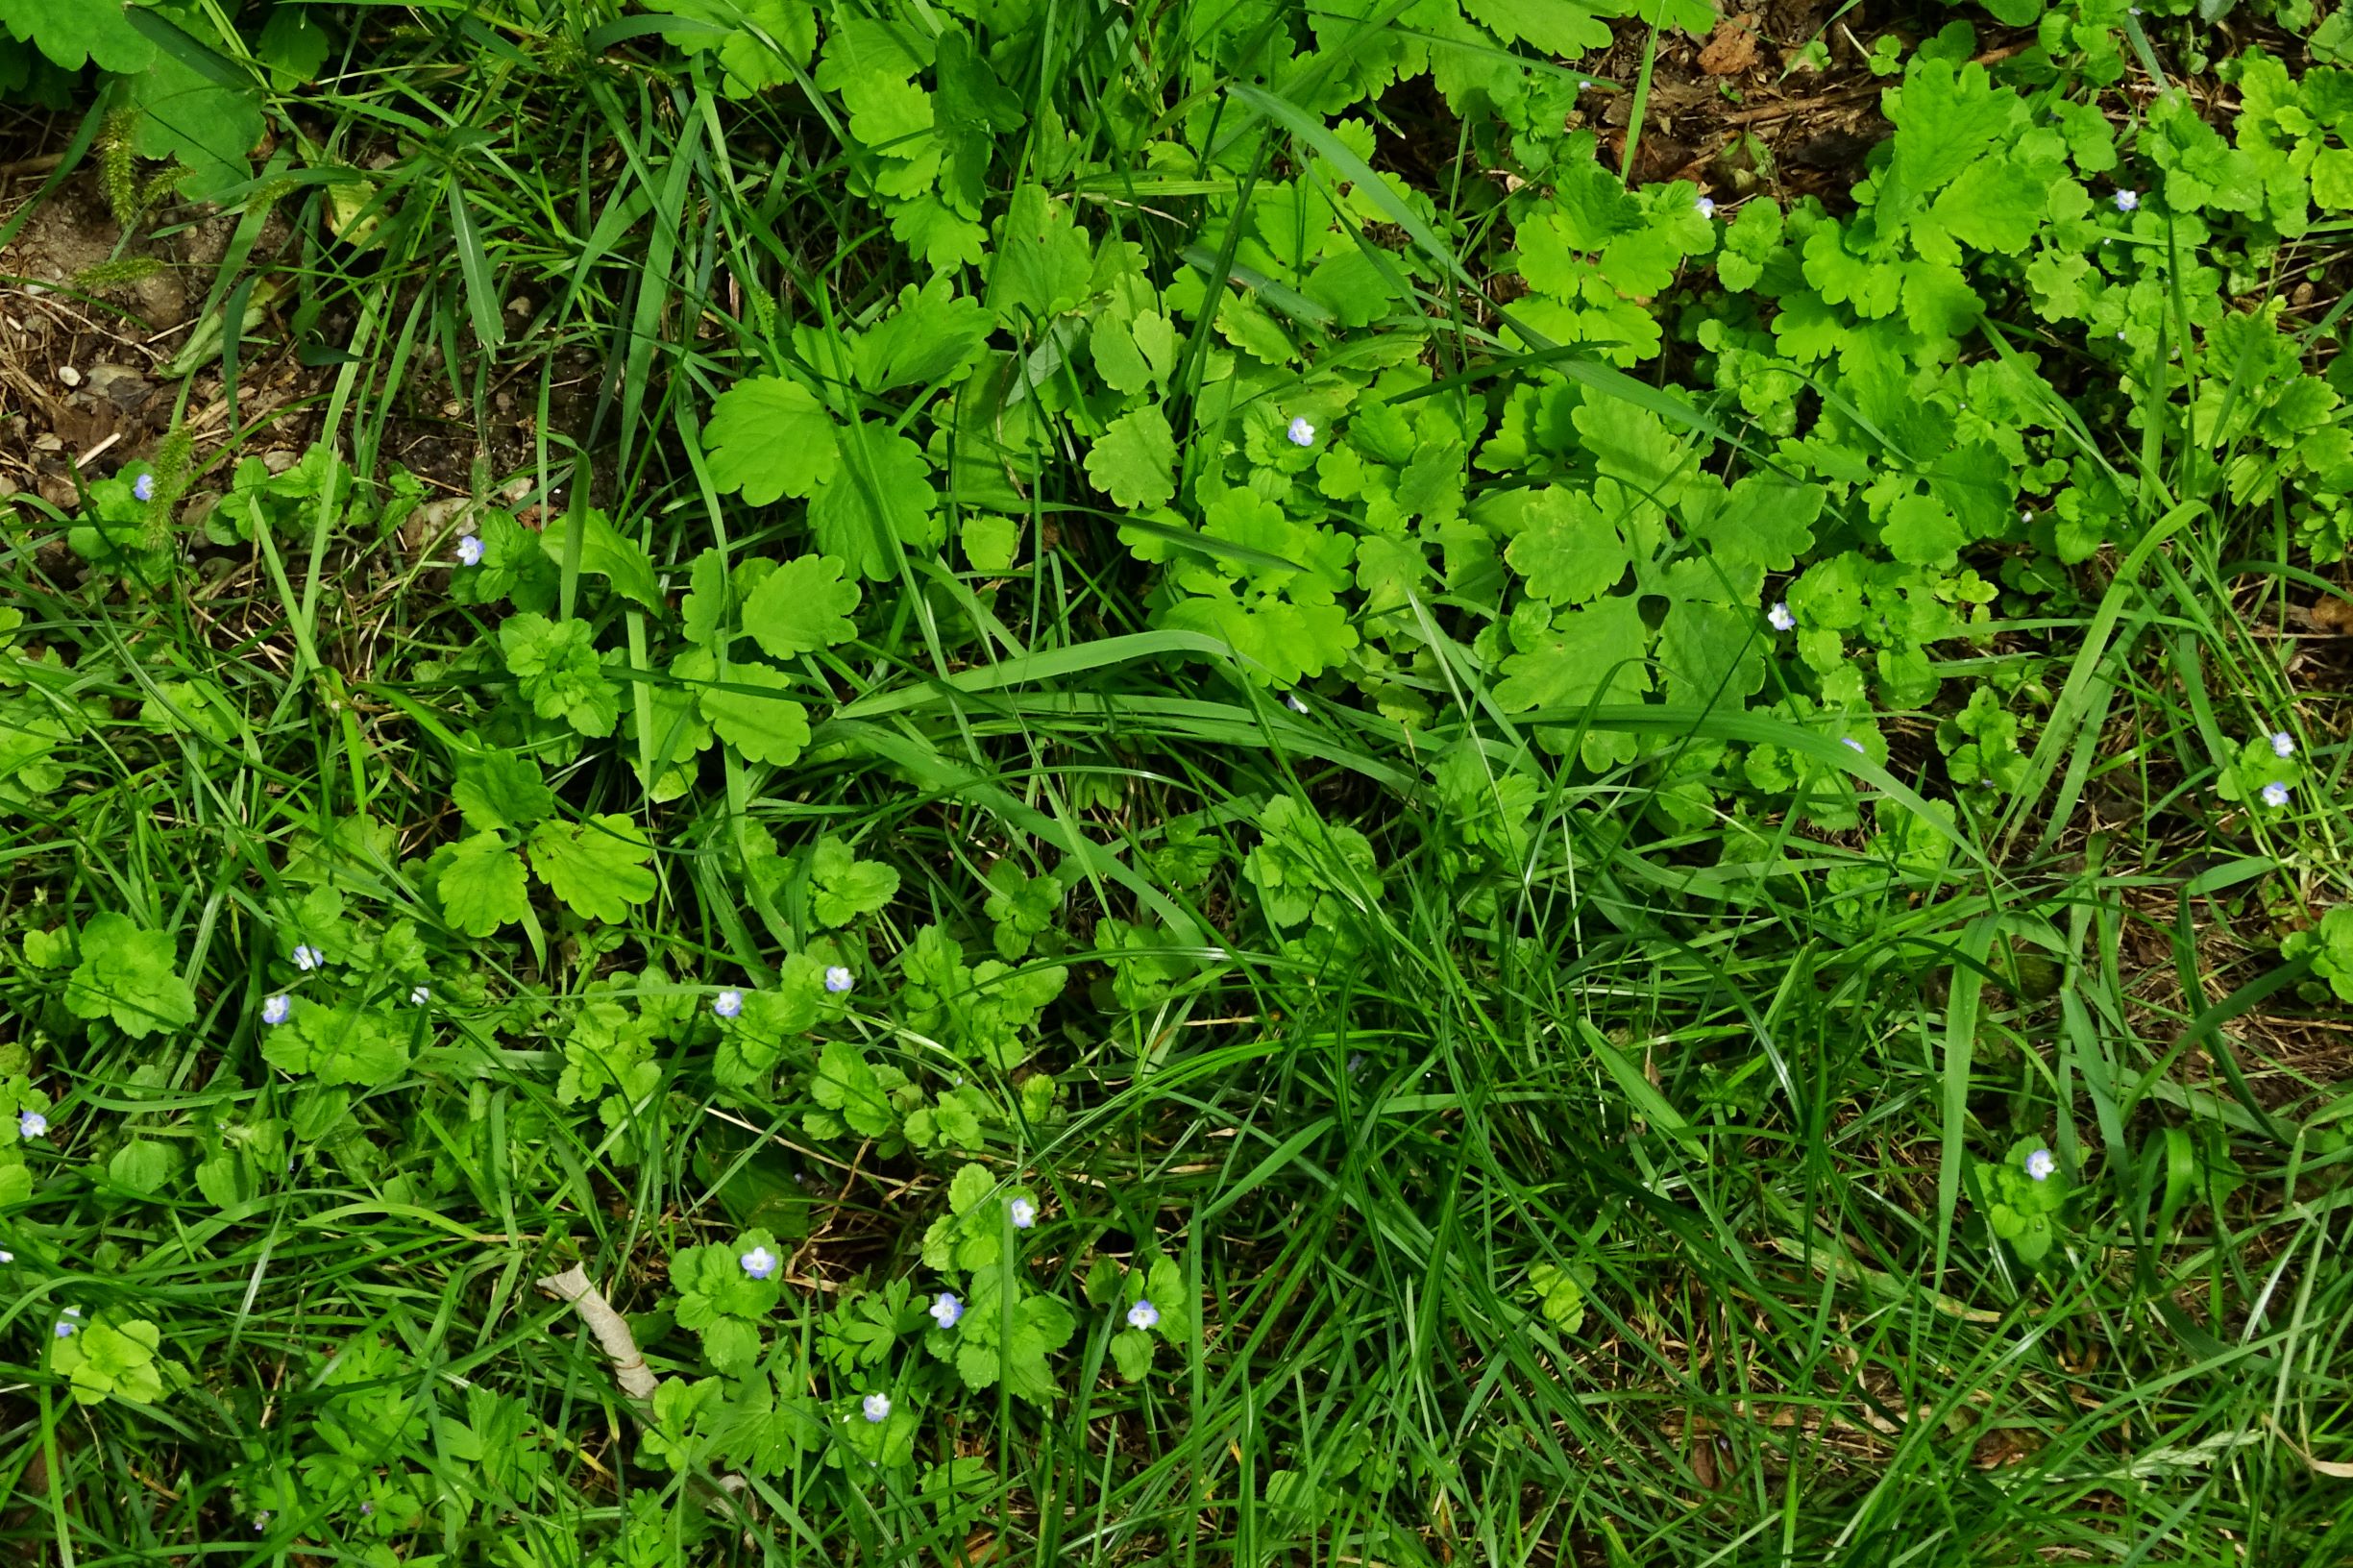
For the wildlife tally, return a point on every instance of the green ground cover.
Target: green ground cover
(1196, 796)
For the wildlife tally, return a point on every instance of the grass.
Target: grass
(1737, 1064)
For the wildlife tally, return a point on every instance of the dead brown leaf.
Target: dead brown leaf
(2333, 616)
(1733, 49)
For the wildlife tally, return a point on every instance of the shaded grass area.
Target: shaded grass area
(1742, 1074)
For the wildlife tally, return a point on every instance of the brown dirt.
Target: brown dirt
(83, 384)
(1740, 112)
(83, 389)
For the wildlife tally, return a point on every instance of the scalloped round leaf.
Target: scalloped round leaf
(481, 885)
(761, 727)
(769, 437)
(597, 867)
(1133, 460)
(801, 606)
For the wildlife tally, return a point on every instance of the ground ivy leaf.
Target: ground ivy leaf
(1568, 552)
(129, 974)
(1634, 447)
(500, 789)
(1588, 653)
(605, 552)
(1711, 653)
(1131, 1351)
(847, 887)
(761, 727)
(844, 1082)
(481, 885)
(1763, 520)
(883, 495)
(1921, 531)
(769, 437)
(73, 32)
(1112, 346)
(597, 867)
(1132, 460)
(1042, 259)
(338, 1045)
(990, 542)
(143, 1166)
(1938, 301)
(1555, 27)
(1995, 204)
(555, 668)
(1945, 118)
(800, 607)
(932, 337)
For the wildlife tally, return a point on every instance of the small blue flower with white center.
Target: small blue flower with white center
(838, 978)
(2283, 745)
(144, 487)
(1853, 744)
(2276, 795)
(420, 995)
(2128, 201)
(1301, 432)
(307, 957)
(1779, 618)
(1024, 1213)
(1705, 206)
(2040, 1164)
(759, 1262)
(261, 1521)
(30, 1124)
(1142, 1315)
(470, 551)
(276, 1009)
(728, 1003)
(6, 1256)
(875, 1407)
(1290, 700)
(946, 1310)
(69, 1323)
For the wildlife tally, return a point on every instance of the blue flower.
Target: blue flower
(1024, 1213)
(276, 1009)
(2276, 795)
(759, 1262)
(946, 1310)
(1780, 619)
(307, 957)
(69, 1323)
(1142, 1315)
(144, 487)
(1301, 432)
(1704, 208)
(6, 1256)
(876, 1408)
(728, 1003)
(1853, 744)
(1291, 701)
(2283, 744)
(30, 1124)
(470, 551)
(838, 979)
(421, 995)
(2127, 201)
(2040, 1164)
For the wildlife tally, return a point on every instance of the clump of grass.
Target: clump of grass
(1667, 1121)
